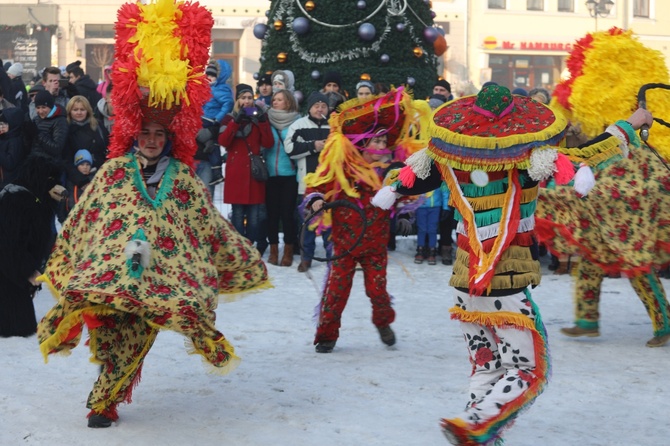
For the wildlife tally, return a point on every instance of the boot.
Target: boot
(217, 176)
(577, 331)
(432, 252)
(325, 346)
(99, 421)
(287, 258)
(273, 259)
(445, 253)
(658, 341)
(419, 257)
(387, 335)
(304, 265)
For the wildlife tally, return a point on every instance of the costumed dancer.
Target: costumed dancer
(623, 225)
(27, 211)
(351, 168)
(492, 150)
(145, 249)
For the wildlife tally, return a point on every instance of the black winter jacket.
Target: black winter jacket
(87, 88)
(50, 133)
(11, 145)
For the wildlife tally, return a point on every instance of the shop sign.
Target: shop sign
(492, 43)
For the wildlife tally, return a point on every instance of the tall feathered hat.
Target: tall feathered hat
(161, 51)
(394, 114)
(607, 69)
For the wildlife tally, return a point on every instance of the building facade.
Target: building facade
(521, 43)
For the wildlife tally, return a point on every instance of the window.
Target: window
(226, 50)
(99, 31)
(497, 4)
(566, 5)
(641, 8)
(535, 5)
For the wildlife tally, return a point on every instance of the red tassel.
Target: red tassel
(565, 170)
(407, 176)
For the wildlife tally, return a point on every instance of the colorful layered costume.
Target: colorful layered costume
(145, 249)
(343, 174)
(621, 226)
(492, 150)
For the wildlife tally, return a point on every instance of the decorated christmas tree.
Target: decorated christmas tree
(392, 42)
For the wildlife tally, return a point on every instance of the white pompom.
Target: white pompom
(385, 198)
(584, 180)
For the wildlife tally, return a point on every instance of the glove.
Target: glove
(262, 117)
(403, 226)
(241, 117)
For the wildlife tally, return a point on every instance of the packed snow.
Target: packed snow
(610, 390)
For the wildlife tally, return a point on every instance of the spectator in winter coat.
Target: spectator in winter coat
(83, 164)
(11, 144)
(444, 88)
(4, 103)
(208, 156)
(283, 80)
(107, 79)
(433, 205)
(281, 189)
(104, 111)
(332, 88)
(304, 141)
(51, 129)
(17, 95)
(51, 79)
(245, 130)
(83, 82)
(264, 87)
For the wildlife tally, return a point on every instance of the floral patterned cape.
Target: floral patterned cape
(195, 255)
(622, 225)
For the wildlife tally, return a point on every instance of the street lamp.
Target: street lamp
(599, 8)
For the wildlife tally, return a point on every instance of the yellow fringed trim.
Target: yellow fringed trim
(70, 321)
(496, 201)
(44, 279)
(234, 296)
(231, 364)
(497, 319)
(458, 163)
(503, 282)
(595, 153)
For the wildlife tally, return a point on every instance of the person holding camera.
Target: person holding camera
(244, 132)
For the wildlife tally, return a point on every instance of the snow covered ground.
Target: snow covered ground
(610, 390)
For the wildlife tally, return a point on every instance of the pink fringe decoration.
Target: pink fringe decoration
(407, 176)
(565, 170)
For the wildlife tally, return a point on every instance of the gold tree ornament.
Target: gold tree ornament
(418, 52)
(278, 25)
(281, 57)
(365, 77)
(309, 5)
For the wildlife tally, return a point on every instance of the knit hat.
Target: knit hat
(243, 88)
(161, 51)
(315, 98)
(444, 84)
(44, 98)
(212, 69)
(542, 91)
(82, 156)
(332, 76)
(264, 79)
(436, 100)
(520, 91)
(16, 69)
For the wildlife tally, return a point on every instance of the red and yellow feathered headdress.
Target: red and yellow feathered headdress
(161, 50)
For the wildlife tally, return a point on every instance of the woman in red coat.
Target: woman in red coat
(246, 129)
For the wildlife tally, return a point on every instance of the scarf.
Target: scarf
(281, 119)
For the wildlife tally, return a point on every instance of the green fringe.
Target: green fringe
(165, 184)
(494, 215)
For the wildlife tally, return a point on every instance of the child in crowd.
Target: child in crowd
(83, 161)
